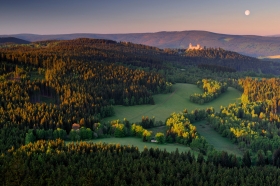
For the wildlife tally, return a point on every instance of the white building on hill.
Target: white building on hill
(197, 47)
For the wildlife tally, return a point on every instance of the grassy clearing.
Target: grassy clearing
(36, 75)
(47, 100)
(158, 129)
(131, 141)
(172, 102)
(214, 138)
(176, 102)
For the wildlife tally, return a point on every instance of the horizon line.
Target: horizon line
(271, 35)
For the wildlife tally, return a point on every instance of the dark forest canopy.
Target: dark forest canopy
(54, 163)
(232, 60)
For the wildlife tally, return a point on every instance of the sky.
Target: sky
(139, 16)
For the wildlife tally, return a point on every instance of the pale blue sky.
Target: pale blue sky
(138, 16)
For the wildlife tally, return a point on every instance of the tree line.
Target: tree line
(54, 162)
(211, 88)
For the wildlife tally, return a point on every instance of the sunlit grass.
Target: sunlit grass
(172, 102)
(214, 138)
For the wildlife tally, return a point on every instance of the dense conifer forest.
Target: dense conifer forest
(55, 163)
(47, 86)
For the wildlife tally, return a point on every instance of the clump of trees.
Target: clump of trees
(266, 90)
(160, 137)
(180, 130)
(81, 134)
(140, 132)
(211, 88)
(40, 134)
(113, 129)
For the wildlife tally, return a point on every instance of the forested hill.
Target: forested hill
(219, 53)
(246, 44)
(231, 59)
(78, 78)
(137, 55)
(12, 40)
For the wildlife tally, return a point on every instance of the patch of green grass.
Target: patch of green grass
(172, 102)
(214, 138)
(36, 75)
(47, 100)
(137, 142)
(158, 129)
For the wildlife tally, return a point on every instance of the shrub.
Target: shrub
(160, 137)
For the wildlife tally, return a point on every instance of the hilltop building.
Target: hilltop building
(197, 47)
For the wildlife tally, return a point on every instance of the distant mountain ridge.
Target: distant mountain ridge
(250, 45)
(12, 40)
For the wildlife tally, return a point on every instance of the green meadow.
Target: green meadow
(172, 102)
(35, 75)
(214, 138)
(166, 104)
(47, 100)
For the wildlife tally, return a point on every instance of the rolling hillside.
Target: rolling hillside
(12, 40)
(245, 44)
(138, 55)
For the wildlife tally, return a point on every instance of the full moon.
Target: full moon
(247, 12)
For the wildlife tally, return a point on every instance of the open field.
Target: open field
(132, 141)
(47, 100)
(214, 138)
(172, 102)
(157, 129)
(36, 75)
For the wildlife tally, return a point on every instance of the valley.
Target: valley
(140, 93)
(68, 100)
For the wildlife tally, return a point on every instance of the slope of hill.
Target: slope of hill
(245, 44)
(137, 55)
(12, 40)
